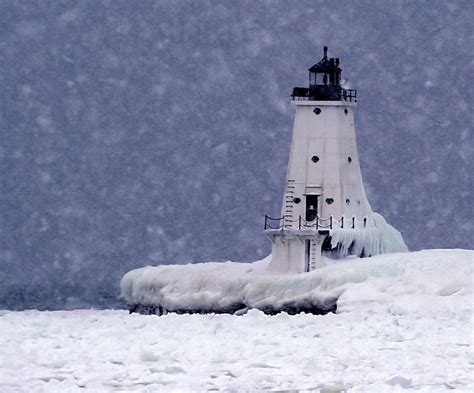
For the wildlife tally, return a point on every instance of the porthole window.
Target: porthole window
(315, 159)
(329, 201)
(348, 201)
(297, 200)
(346, 112)
(349, 159)
(317, 111)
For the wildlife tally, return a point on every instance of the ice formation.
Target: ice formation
(236, 287)
(378, 237)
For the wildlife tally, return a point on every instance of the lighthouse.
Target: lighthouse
(325, 213)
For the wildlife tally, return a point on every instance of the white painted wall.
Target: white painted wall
(330, 136)
(288, 252)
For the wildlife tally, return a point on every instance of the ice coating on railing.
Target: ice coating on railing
(378, 237)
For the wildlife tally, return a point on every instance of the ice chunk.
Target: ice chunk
(403, 382)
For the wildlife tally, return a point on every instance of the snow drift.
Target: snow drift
(352, 283)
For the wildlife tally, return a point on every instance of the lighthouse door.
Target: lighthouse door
(311, 207)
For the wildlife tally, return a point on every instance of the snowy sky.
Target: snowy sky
(151, 132)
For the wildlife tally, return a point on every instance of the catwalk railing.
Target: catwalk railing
(317, 223)
(324, 93)
(349, 95)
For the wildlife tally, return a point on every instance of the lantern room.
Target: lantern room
(324, 83)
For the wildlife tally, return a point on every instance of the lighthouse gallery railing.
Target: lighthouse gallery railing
(318, 223)
(304, 94)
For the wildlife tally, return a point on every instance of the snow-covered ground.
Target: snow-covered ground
(410, 330)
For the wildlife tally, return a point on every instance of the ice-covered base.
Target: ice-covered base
(378, 237)
(347, 284)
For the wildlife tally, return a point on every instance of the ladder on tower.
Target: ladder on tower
(313, 255)
(289, 204)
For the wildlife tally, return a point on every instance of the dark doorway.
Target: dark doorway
(311, 207)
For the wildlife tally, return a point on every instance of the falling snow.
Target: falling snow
(137, 133)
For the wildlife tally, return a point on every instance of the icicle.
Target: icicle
(377, 238)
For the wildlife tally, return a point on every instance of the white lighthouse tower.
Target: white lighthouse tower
(325, 209)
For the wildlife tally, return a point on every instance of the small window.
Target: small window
(315, 159)
(346, 112)
(348, 201)
(349, 159)
(317, 111)
(329, 201)
(297, 200)
(358, 202)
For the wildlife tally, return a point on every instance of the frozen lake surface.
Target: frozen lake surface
(406, 332)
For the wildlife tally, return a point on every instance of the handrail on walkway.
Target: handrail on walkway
(316, 223)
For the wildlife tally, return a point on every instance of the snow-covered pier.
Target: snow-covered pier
(230, 287)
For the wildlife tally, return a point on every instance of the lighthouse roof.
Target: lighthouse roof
(326, 65)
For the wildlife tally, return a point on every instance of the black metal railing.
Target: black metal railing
(349, 95)
(318, 223)
(305, 94)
